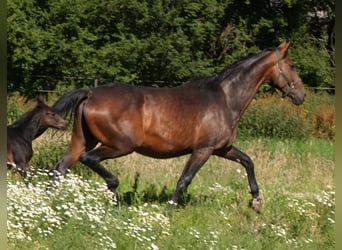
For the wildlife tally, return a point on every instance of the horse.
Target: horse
(199, 117)
(28, 127)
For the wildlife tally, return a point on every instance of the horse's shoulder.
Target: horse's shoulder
(12, 131)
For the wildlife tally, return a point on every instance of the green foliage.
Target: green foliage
(48, 156)
(307, 54)
(157, 42)
(14, 109)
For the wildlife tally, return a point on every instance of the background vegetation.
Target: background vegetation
(63, 44)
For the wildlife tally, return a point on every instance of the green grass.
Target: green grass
(296, 180)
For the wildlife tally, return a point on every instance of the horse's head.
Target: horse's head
(49, 118)
(285, 77)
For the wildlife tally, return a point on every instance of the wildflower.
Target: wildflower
(331, 220)
(154, 247)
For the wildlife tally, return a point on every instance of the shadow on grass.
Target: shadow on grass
(151, 194)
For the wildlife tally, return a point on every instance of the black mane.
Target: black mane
(230, 70)
(25, 118)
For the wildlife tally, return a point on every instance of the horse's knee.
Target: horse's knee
(247, 163)
(183, 184)
(87, 160)
(94, 164)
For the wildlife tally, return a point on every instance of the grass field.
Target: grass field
(296, 180)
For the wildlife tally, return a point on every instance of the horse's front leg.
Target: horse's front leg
(196, 161)
(236, 155)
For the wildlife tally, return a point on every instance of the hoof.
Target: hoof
(112, 197)
(255, 203)
(112, 187)
(55, 176)
(170, 208)
(172, 205)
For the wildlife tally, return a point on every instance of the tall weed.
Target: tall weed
(325, 121)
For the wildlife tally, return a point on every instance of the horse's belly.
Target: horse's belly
(162, 150)
(173, 142)
(165, 141)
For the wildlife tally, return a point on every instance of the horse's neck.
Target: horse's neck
(241, 90)
(30, 128)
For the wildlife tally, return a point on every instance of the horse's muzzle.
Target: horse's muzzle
(63, 126)
(298, 98)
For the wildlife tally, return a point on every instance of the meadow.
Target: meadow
(293, 150)
(296, 178)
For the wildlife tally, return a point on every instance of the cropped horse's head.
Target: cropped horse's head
(285, 77)
(49, 118)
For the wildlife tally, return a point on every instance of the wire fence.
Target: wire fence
(96, 82)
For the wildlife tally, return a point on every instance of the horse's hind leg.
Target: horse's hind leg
(21, 165)
(22, 168)
(93, 158)
(81, 141)
(19, 161)
(236, 155)
(70, 158)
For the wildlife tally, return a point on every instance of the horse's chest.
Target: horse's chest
(21, 147)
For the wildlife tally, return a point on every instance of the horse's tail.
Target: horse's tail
(69, 102)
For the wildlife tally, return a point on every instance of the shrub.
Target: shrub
(269, 117)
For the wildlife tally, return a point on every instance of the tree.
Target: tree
(159, 42)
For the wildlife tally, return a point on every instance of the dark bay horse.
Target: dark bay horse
(22, 132)
(199, 118)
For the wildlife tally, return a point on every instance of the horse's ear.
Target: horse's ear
(40, 100)
(283, 47)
